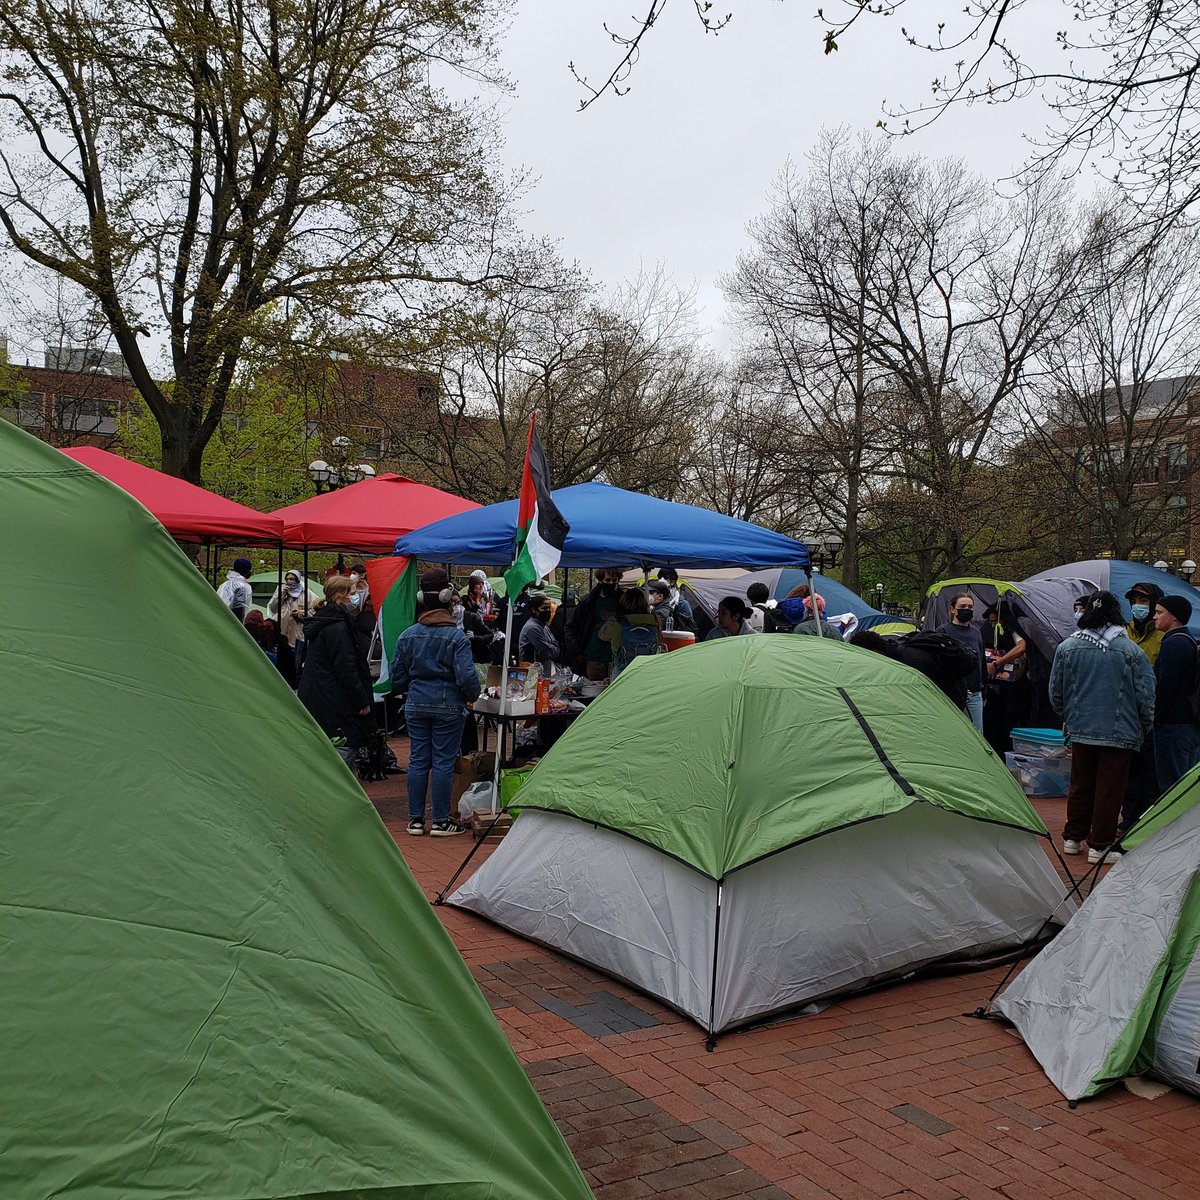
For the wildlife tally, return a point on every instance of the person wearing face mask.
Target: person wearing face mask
(361, 608)
(474, 626)
(1141, 630)
(962, 628)
(292, 605)
(336, 685)
(537, 644)
(587, 652)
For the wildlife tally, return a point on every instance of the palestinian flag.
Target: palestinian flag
(541, 530)
(393, 585)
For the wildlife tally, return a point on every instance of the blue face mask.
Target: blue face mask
(1077, 616)
(1140, 611)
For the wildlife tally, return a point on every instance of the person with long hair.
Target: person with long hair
(733, 619)
(336, 685)
(432, 664)
(1102, 686)
(634, 631)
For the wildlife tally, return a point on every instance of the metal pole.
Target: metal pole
(812, 595)
(508, 621)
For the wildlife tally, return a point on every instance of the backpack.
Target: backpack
(1194, 698)
(937, 655)
(636, 640)
(774, 621)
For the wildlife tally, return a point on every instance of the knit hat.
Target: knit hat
(659, 586)
(243, 566)
(1178, 607)
(434, 580)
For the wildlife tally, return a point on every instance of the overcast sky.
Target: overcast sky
(673, 171)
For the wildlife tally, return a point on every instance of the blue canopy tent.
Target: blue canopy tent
(610, 527)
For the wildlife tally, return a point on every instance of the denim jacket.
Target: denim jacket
(1103, 689)
(432, 663)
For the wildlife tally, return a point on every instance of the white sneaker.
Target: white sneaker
(1095, 856)
(1070, 847)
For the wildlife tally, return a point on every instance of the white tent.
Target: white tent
(1118, 991)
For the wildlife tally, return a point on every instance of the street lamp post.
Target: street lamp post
(329, 476)
(1187, 569)
(879, 596)
(825, 548)
(340, 472)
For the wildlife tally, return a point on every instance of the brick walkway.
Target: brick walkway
(892, 1093)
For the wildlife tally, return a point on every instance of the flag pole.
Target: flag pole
(508, 624)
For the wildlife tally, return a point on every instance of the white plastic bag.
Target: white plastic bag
(477, 798)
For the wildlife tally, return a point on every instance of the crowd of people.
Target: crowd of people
(1125, 692)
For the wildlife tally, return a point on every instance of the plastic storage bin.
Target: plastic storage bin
(1039, 776)
(1043, 743)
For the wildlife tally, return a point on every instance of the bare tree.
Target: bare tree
(1118, 79)
(616, 381)
(215, 173)
(809, 292)
(1109, 417)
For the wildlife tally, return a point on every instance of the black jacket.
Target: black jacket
(479, 635)
(336, 681)
(1175, 679)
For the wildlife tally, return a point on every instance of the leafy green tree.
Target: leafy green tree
(257, 455)
(220, 173)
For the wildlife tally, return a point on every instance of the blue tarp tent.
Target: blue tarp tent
(1116, 575)
(610, 527)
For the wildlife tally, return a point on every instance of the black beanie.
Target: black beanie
(1178, 607)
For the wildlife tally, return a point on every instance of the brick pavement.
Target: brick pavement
(890, 1093)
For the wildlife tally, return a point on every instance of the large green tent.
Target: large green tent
(218, 979)
(753, 823)
(1118, 991)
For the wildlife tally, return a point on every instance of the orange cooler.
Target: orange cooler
(676, 639)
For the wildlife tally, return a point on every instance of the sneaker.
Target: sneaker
(1095, 856)
(416, 828)
(444, 829)
(1070, 847)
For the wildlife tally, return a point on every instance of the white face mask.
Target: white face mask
(356, 600)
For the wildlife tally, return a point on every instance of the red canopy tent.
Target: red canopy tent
(189, 513)
(366, 517)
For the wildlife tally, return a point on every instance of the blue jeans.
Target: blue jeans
(975, 709)
(1175, 749)
(433, 747)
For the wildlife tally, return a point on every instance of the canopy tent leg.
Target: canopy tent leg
(812, 595)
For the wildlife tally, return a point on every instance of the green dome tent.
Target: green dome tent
(217, 977)
(753, 823)
(1118, 991)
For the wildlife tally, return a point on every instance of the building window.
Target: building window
(426, 394)
(75, 414)
(31, 410)
(372, 441)
(1177, 461)
(1177, 502)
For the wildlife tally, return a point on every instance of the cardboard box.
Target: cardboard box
(490, 828)
(469, 769)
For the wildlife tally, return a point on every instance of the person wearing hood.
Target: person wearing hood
(292, 605)
(585, 647)
(1141, 630)
(1102, 686)
(432, 665)
(235, 591)
(336, 685)
(361, 607)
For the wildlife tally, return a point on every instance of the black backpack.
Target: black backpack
(937, 655)
(774, 621)
(1195, 696)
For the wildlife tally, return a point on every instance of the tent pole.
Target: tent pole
(711, 1041)
(812, 592)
